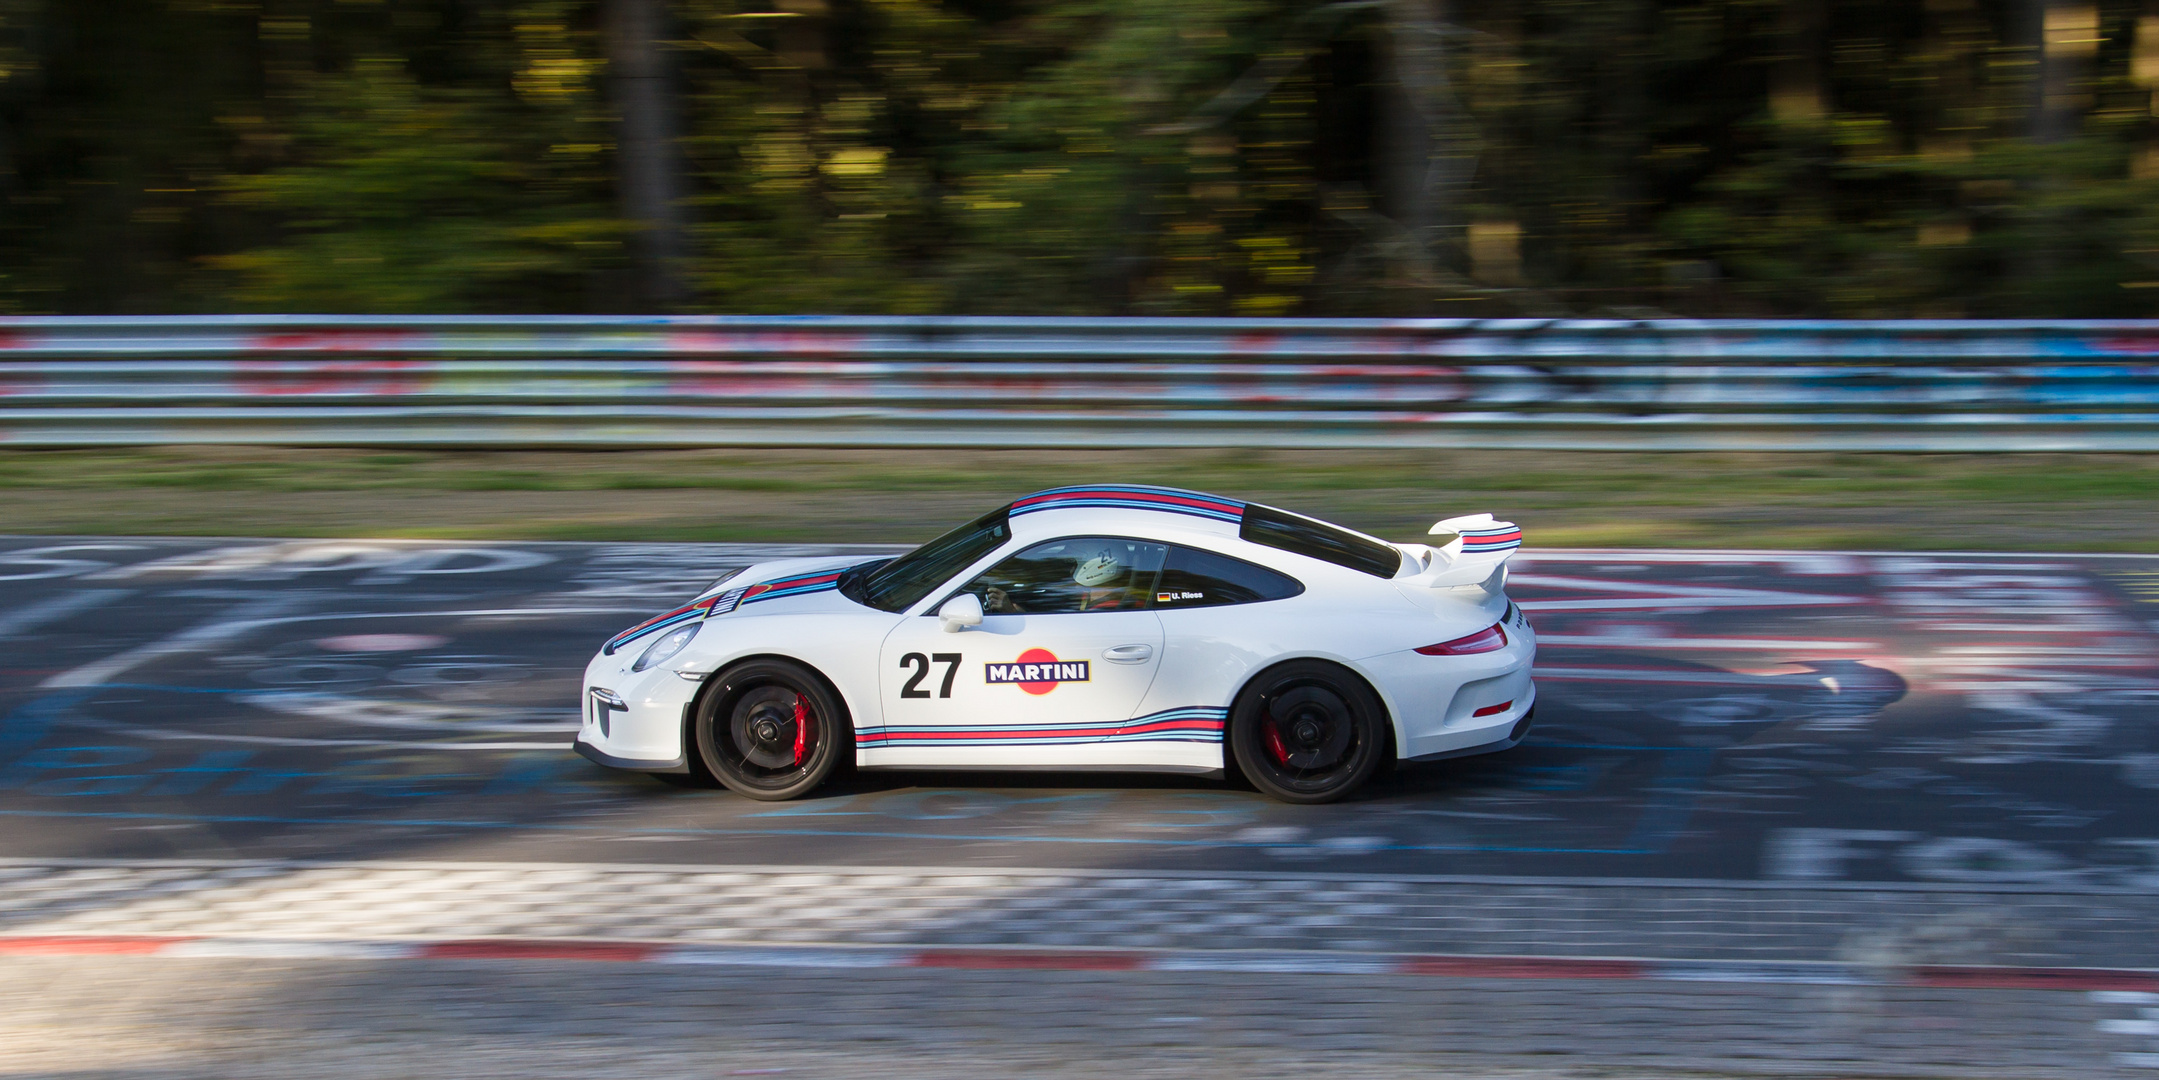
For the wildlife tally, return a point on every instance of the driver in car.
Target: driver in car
(1101, 578)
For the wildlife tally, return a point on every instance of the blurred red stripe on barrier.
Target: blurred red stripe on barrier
(306, 378)
(336, 341)
(812, 342)
(87, 945)
(536, 950)
(2011, 978)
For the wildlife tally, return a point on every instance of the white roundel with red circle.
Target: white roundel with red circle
(1037, 671)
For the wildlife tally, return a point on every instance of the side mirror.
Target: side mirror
(961, 612)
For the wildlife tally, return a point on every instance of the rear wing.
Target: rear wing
(1477, 555)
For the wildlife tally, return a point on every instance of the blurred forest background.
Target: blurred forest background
(1877, 158)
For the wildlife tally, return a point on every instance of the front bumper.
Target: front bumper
(634, 719)
(680, 765)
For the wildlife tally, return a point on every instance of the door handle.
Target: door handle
(1128, 654)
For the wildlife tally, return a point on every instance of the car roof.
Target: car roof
(1109, 507)
(1065, 507)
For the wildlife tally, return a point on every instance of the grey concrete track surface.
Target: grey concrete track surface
(1872, 759)
(129, 1019)
(1974, 720)
(1876, 932)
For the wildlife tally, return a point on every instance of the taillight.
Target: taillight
(1490, 639)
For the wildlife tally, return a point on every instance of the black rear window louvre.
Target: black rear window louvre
(1318, 540)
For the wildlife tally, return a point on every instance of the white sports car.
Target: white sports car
(1111, 627)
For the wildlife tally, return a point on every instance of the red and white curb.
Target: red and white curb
(2120, 981)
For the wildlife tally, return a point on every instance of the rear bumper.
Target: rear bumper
(1512, 739)
(1444, 706)
(679, 765)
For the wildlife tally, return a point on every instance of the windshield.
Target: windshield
(897, 585)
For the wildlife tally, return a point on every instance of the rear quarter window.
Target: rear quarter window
(1319, 540)
(1192, 578)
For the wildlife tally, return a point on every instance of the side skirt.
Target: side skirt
(1172, 770)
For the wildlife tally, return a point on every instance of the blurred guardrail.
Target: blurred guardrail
(864, 381)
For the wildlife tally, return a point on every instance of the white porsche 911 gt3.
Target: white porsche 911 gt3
(1112, 627)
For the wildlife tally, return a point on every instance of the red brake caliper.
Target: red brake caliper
(802, 726)
(1275, 749)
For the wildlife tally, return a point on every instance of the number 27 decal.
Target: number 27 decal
(921, 665)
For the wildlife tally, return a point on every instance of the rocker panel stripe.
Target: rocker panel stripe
(1202, 724)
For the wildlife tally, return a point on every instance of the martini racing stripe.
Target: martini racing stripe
(1133, 497)
(793, 586)
(687, 613)
(1203, 724)
(1503, 537)
(724, 603)
(1034, 735)
(1196, 723)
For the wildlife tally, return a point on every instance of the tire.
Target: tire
(772, 730)
(1308, 732)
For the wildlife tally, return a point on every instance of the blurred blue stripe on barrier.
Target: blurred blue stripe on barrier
(989, 381)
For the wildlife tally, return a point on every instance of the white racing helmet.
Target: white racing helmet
(1102, 569)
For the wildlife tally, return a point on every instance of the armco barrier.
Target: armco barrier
(864, 381)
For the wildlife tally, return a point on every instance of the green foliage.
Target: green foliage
(1190, 157)
(405, 199)
(970, 164)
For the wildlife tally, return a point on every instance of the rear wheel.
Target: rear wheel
(771, 729)
(1308, 731)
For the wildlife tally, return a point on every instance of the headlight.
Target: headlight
(665, 647)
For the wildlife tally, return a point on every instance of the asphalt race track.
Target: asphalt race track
(1795, 717)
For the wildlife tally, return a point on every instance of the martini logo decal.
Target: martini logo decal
(1037, 671)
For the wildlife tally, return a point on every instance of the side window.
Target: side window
(1088, 573)
(1319, 540)
(1195, 578)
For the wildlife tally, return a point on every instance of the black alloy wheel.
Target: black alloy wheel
(1308, 731)
(771, 729)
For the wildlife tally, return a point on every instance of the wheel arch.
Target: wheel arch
(714, 681)
(1387, 708)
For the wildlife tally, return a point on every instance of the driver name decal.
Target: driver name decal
(1037, 671)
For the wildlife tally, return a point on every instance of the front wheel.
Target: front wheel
(1308, 731)
(771, 729)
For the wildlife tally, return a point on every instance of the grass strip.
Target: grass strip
(2004, 502)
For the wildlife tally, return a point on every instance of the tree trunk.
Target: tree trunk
(1796, 93)
(2144, 71)
(2068, 40)
(1954, 36)
(1411, 113)
(649, 168)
